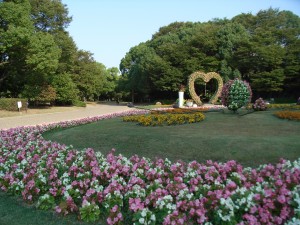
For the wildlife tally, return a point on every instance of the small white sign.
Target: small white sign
(19, 104)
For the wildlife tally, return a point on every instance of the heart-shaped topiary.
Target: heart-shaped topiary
(206, 77)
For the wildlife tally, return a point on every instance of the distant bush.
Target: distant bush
(47, 94)
(11, 103)
(259, 105)
(79, 104)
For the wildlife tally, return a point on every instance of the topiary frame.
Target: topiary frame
(206, 77)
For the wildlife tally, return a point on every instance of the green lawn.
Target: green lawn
(252, 139)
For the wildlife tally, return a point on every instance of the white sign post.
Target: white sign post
(19, 104)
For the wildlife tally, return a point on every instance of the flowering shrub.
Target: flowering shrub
(290, 115)
(159, 119)
(236, 94)
(140, 191)
(259, 105)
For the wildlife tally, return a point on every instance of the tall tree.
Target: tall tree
(88, 75)
(264, 59)
(16, 30)
(230, 37)
(66, 90)
(49, 15)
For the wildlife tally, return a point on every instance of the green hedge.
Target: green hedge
(11, 104)
(283, 106)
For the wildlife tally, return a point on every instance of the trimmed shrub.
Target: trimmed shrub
(11, 103)
(236, 94)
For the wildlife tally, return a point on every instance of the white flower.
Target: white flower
(293, 221)
(143, 213)
(24, 162)
(153, 218)
(142, 220)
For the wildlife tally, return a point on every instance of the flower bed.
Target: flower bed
(140, 191)
(290, 115)
(283, 106)
(159, 119)
(180, 110)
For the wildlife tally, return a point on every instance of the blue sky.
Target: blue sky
(109, 28)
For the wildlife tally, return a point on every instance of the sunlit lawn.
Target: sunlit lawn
(252, 139)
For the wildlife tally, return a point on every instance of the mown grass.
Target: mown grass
(252, 139)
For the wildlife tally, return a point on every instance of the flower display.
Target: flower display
(206, 77)
(236, 94)
(283, 106)
(138, 190)
(159, 119)
(290, 115)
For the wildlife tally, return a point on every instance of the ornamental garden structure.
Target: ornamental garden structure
(206, 77)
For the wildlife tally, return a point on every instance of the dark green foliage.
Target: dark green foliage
(66, 90)
(262, 49)
(36, 51)
(89, 76)
(11, 103)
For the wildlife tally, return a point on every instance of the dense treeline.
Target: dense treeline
(263, 49)
(39, 59)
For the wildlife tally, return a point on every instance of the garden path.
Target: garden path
(46, 118)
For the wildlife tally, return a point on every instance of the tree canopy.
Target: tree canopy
(38, 56)
(262, 49)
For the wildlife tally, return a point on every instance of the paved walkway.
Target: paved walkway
(46, 118)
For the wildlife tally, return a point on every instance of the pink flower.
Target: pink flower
(57, 209)
(281, 199)
(114, 209)
(135, 204)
